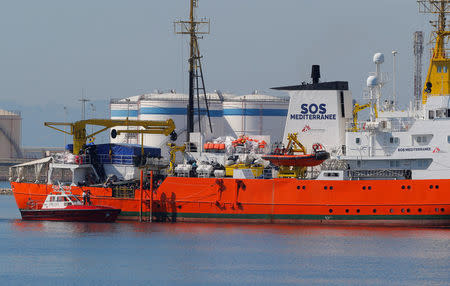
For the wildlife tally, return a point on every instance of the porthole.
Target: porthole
(436, 209)
(357, 210)
(330, 210)
(364, 187)
(409, 187)
(346, 210)
(374, 210)
(442, 209)
(298, 187)
(431, 186)
(391, 210)
(303, 187)
(408, 210)
(325, 187)
(403, 210)
(403, 187)
(369, 187)
(437, 186)
(331, 187)
(420, 210)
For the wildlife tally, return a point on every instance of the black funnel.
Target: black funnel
(315, 73)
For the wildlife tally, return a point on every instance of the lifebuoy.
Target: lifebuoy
(317, 147)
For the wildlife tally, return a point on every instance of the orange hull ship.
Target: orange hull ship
(390, 169)
(400, 202)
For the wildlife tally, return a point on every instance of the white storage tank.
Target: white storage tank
(121, 109)
(10, 134)
(173, 105)
(256, 114)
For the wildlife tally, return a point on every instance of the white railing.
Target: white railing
(381, 125)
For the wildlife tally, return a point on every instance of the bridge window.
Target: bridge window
(445, 69)
(395, 140)
(431, 114)
(448, 139)
(358, 140)
(439, 69)
(331, 174)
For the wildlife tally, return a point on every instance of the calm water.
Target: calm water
(54, 253)
(5, 185)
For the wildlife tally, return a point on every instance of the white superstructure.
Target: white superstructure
(390, 144)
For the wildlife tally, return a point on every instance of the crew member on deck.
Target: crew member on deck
(88, 197)
(84, 197)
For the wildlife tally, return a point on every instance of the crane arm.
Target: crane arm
(294, 145)
(78, 128)
(357, 108)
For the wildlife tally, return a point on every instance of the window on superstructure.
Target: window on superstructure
(445, 69)
(393, 140)
(448, 139)
(431, 114)
(394, 163)
(439, 69)
(358, 140)
(440, 113)
(342, 105)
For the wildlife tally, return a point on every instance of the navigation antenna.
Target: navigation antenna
(436, 83)
(194, 28)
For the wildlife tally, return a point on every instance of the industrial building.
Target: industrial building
(10, 134)
(230, 115)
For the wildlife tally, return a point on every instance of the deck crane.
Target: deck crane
(357, 108)
(80, 136)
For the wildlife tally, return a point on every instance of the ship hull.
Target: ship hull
(92, 215)
(370, 202)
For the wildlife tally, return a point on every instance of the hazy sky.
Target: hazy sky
(52, 49)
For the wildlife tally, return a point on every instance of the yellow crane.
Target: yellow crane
(293, 146)
(357, 108)
(80, 136)
(172, 154)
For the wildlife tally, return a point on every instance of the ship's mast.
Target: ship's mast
(193, 28)
(437, 82)
(418, 52)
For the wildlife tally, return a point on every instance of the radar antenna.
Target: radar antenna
(194, 28)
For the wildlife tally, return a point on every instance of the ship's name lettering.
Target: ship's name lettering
(313, 116)
(313, 111)
(414, 149)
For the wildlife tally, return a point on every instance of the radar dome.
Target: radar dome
(378, 58)
(372, 81)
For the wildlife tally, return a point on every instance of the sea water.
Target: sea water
(132, 253)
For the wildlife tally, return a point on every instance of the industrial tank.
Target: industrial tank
(162, 106)
(256, 114)
(10, 134)
(121, 109)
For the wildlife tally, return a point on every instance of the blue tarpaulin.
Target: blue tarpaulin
(123, 149)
